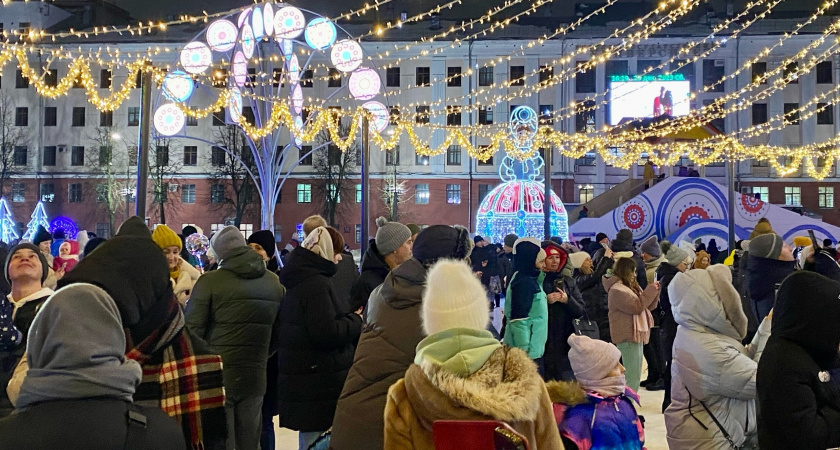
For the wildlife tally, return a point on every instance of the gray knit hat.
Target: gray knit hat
(766, 246)
(390, 236)
(511, 239)
(225, 240)
(675, 255)
(651, 247)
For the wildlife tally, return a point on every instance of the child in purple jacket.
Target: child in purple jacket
(597, 411)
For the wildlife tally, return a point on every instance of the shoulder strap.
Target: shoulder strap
(136, 429)
(714, 419)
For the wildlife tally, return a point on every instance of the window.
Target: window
(333, 192)
(104, 79)
(358, 233)
(47, 192)
(485, 76)
(793, 195)
(485, 115)
(584, 80)
(101, 193)
(483, 190)
(106, 118)
(134, 116)
(517, 75)
(277, 77)
(304, 193)
(587, 159)
(22, 117)
(546, 114)
(358, 193)
(393, 115)
(21, 82)
(19, 155)
(825, 114)
(219, 118)
(421, 194)
(162, 155)
(74, 193)
(453, 76)
(489, 161)
(217, 156)
(759, 113)
(217, 193)
(105, 153)
(77, 155)
(587, 193)
(78, 116)
(51, 78)
(453, 116)
(392, 157)
(826, 196)
(789, 71)
(422, 115)
(252, 77)
(648, 67)
(453, 155)
(103, 230)
(713, 71)
(422, 76)
(585, 116)
(18, 192)
(49, 155)
(190, 155)
(248, 115)
(305, 155)
(188, 193)
(23, 28)
(792, 113)
(453, 194)
(546, 74)
(825, 73)
(392, 77)
(421, 160)
(759, 69)
(306, 79)
(761, 192)
(138, 79)
(50, 116)
(335, 78)
(192, 121)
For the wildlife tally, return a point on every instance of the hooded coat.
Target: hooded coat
(710, 364)
(763, 275)
(234, 309)
(595, 297)
(526, 306)
(798, 409)
(560, 322)
(374, 271)
(317, 342)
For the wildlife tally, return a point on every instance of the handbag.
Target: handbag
(585, 327)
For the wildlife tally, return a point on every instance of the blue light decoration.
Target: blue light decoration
(299, 234)
(39, 217)
(66, 224)
(7, 223)
(516, 205)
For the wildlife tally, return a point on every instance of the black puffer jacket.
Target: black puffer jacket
(317, 342)
(763, 275)
(665, 274)
(234, 309)
(595, 297)
(560, 326)
(374, 271)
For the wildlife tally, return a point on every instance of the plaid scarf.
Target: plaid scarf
(184, 380)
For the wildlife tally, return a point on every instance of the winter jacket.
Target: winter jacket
(624, 304)
(317, 342)
(505, 266)
(560, 326)
(506, 388)
(762, 276)
(666, 273)
(234, 309)
(531, 332)
(595, 297)
(23, 314)
(96, 423)
(186, 280)
(594, 422)
(374, 271)
(346, 275)
(386, 349)
(479, 256)
(710, 365)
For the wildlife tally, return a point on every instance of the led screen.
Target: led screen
(637, 99)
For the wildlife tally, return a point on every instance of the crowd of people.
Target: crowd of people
(141, 345)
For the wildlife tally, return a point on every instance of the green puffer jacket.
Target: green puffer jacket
(235, 310)
(530, 333)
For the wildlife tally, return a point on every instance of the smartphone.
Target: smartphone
(813, 240)
(605, 246)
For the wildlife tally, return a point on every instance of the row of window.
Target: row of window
(793, 195)
(75, 193)
(825, 113)
(79, 115)
(421, 193)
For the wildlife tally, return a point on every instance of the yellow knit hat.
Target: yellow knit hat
(165, 237)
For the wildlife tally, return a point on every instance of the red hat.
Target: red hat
(552, 248)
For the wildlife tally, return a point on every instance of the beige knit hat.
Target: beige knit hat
(453, 298)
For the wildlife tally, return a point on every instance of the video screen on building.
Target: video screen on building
(648, 96)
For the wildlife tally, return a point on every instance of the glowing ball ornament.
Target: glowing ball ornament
(197, 245)
(346, 55)
(320, 33)
(299, 130)
(294, 70)
(243, 17)
(287, 47)
(196, 57)
(268, 19)
(221, 35)
(65, 223)
(381, 116)
(169, 120)
(240, 69)
(248, 41)
(297, 99)
(257, 24)
(178, 86)
(235, 104)
(364, 84)
(289, 23)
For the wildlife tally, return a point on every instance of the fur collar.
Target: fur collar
(507, 388)
(569, 393)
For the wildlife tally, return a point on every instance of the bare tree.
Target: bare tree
(162, 171)
(230, 163)
(110, 163)
(11, 137)
(332, 170)
(394, 193)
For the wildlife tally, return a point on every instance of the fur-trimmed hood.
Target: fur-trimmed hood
(706, 300)
(569, 393)
(507, 388)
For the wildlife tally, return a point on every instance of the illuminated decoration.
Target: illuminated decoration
(7, 223)
(381, 116)
(257, 24)
(169, 120)
(178, 86)
(196, 57)
(287, 48)
(297, 99)
(221, 35)
(268, 19)
(39, 217)
(243, 17)
(64, 223)
(320, 33)
(364, 84)
(294, 70)
(517, 205)
(248, 42)
(289, 23)
(346, 55)
(240, 69)
(235, 105)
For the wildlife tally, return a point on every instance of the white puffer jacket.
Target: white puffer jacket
(711, 364)
(186, 280)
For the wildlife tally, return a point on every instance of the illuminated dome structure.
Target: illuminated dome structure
(516, 206)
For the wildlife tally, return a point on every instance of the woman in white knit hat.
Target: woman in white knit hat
(462, 373)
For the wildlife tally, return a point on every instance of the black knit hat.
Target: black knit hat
(41, 235)
(442, 241)
(265, 239)
(45, 268)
